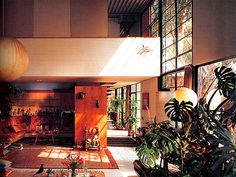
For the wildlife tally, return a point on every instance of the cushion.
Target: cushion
(6, 130)
(19, 127)
(19, 119)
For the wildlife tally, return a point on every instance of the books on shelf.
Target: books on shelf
(5, 167)
(6, 172)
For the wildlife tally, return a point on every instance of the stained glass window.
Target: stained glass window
(176, 40)
(151, 20)
(135, 94)
(206, 74)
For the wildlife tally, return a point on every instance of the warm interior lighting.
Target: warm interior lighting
(13, 59)
(216, 100)
(135, 57)
(88, 156)
(185, 94)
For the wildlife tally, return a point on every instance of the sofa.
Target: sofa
(12, 129)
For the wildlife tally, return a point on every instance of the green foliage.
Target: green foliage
(205, 145)
(179, 112)
(7, 98)
(226, 80)
(116, 105)
(132, 119)
(158, 141)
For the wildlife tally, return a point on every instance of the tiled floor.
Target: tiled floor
(124, 157)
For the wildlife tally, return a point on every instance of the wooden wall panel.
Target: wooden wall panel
(89, 18)
(51, 18)
(87, 115)
(19, 18)
(1, 19)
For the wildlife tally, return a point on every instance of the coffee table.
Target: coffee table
(44, 134)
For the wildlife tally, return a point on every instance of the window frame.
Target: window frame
(176, 41)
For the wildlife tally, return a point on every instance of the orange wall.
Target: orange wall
(87, 115)
(214, 27)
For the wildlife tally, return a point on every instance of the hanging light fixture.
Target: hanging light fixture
(185, 94)
(13, 57)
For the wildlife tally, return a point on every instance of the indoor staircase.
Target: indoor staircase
(121, 142)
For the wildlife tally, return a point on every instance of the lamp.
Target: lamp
(13, 59)
(185, 94)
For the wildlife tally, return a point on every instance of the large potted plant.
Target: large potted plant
(131, 120)
(204, 145)
(114, 109)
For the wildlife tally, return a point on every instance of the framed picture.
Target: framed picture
(145, 101)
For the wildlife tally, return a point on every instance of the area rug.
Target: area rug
(30, 173)
(52, 157)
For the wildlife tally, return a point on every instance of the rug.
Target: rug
(52, 157)
(30, 173)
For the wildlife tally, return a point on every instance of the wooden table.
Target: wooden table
(44, 134)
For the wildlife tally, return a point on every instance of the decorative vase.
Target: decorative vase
(72, 173)
(84, 174)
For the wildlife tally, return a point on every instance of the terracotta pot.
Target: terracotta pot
(114, 116)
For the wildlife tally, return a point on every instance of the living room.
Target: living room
(60, 61)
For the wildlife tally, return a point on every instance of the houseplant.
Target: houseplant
(132, 119)
(115, 107)
(205, 144)
(8, 94)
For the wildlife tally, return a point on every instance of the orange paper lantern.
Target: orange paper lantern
(185, 94)
(13, 59)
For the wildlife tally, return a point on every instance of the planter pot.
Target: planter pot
(140, 169)
(114, 116)
(130, 132)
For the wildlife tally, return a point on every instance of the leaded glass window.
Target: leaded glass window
(176, 40)
(151, 20)
(135, 94)
(173, 80)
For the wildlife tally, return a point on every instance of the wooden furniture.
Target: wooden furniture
(44, 134)
(92, 139)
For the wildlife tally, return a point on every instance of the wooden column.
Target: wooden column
(188, 76)
(90, 111)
